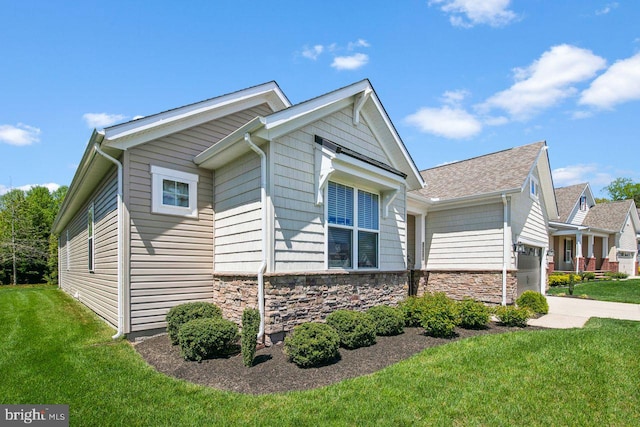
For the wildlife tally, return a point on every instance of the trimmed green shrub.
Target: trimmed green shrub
(473, 314)
(312, 344)
(207, 337)
(355, 329)
(413, 308)
(441, 316)
(616, 275)
(534, 301)
(560, 279)
(183, 313)
(250, 328)
(387, 320)
(585, 276)
(512, 315)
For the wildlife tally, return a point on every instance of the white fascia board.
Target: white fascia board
(142, 130)
(473, 200)
(275, 127)
(212, 157)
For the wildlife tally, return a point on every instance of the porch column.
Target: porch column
(590, 264)
(579, 258)
(420, 241)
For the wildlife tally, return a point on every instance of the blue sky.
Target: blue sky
(459, 78)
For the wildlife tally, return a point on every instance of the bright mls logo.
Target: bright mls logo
(38, 415)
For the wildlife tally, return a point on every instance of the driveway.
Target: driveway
(567, 313)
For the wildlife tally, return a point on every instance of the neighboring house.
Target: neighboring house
(480, 226)
(594, 237)
(244, 200)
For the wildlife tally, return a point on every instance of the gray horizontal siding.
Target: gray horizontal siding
(466, 238)
(97, 290)
(172, 257)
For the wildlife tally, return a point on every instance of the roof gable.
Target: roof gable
(612, 216)
(568, 199)
(139, 131)
(360, 96)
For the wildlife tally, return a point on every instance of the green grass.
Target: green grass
(53, 350)
(606, 290)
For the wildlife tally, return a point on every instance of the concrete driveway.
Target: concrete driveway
(567, 313)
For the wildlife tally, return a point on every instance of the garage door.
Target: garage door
(626, 262)
(529, 270)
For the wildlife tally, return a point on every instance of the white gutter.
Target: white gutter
(120, 330)
(263, 201)
(505, 249)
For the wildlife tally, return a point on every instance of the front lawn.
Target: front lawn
(606, 290)
(53, 350)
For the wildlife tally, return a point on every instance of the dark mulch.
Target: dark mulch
(273, 373)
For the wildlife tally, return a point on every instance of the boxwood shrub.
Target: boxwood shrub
(312, 344)
(473, 314)
(441, 316)
(183, 313)
(207, 337)
(387, 320)
(413, 308)
(250, 328)
(513, 316)
(534, 301)
(355, 329)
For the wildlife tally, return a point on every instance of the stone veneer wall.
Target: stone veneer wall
(485, 286)
(292, 299)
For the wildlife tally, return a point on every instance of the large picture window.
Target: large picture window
(353, 218)
(174, 192)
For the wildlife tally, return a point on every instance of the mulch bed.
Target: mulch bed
(273, 373)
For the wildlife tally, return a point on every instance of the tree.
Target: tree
(26, 253)
(623, 189)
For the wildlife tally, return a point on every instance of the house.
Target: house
(243, 200)
(480, 227)
(594, 237)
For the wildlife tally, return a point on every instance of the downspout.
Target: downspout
(120, 330)
(505, 249)
(263, 201)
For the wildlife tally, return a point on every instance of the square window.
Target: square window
(339, 247)
(174, 192)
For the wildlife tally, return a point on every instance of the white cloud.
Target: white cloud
(546, 82)
(620, 83)
(19, 135)
(51, 186)
(608, 8)
(312, 52)
(449, 122)
(467, 13)
(454, 97)
(577, 174)
(358, 43)
(352, 62)
(102, 120)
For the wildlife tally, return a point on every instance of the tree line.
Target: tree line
(28, 250)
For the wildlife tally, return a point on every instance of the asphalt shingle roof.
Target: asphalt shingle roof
(501, 171)
(608, 216)
(567, 197)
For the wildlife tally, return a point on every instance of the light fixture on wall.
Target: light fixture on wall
(519, 248)
(551, 252)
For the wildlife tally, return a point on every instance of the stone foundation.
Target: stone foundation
(485, 286)
(292, 299)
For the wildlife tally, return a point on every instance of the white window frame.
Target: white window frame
(534, 188)
(91, 238)
(355, 228)
(568, 250)
(583, 203)
(68, 250)
(158, 175)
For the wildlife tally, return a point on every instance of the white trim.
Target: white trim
(534, 188)
(91, 239)
(68, 250)
(158, 175)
